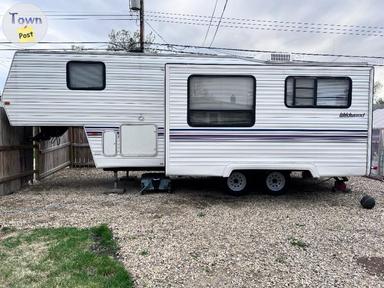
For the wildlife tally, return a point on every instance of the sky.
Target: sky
(351, 13)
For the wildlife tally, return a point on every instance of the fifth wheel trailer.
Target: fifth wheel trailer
(201, 116)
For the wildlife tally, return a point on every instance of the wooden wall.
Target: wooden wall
(16, 156)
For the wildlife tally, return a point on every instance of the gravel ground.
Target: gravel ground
(199, 237)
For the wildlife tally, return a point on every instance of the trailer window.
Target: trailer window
(221, 101)
(83, 75)
(318, 92)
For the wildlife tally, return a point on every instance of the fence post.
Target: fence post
(70, 139)
(36, 156)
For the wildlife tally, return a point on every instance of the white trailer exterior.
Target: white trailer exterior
(282, 138)
(139, 118)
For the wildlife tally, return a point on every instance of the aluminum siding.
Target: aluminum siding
(38, 93)
(290, 138)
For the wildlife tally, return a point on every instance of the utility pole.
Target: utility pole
(142, 23)
(138, 5)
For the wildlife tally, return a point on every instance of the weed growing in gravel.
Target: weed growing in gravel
(298, 243)
(281, 260)
(194, 255)
(207, 270)
(6, 230)
(144, 253)
(201, 214)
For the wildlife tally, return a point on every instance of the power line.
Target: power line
(210, 22)
(99, 18)
(242, 23)
(253, 24)
(218, 25)
(155, 31)
(159, 35)
(203, 47)
(266, 23)
(191, 47)
(129, 14)
(274, 51)
(271, 21)
(264, 27)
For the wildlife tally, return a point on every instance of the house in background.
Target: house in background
(378, 143)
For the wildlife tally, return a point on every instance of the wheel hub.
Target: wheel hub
(275, 181)
(237, 182)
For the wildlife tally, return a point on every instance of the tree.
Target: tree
(124, 40)
(377, 87)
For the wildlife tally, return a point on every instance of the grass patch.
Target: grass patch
(104, 242)
(61, 257)
(298, 243)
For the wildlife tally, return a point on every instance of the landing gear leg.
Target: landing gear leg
(115, 179)
(116, 189)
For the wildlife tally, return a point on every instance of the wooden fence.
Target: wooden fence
(16, 156)
(52, 156)
(71, 149)
(81, 155)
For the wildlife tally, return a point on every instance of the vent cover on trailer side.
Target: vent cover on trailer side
(280, 57)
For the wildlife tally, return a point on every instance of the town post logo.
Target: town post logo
(24, 25)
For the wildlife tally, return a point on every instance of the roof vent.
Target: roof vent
(280, 57)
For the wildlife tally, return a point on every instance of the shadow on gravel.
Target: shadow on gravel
(213, 190)
(195, 191)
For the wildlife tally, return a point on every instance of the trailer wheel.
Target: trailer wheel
(237, 183)
(276, 182)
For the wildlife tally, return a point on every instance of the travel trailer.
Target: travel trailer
(201, 116)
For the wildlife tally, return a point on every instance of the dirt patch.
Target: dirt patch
(373, 265)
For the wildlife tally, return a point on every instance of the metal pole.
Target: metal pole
(142, 26)
(116, 180)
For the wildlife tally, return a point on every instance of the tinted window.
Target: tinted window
(85, 75)
(221, 101)
(319, 92)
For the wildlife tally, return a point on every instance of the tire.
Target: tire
(276, 182)
(237, 183)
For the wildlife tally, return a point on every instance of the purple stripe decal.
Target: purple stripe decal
(267, 139)
(255, 137)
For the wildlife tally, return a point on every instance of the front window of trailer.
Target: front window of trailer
(86, 75)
